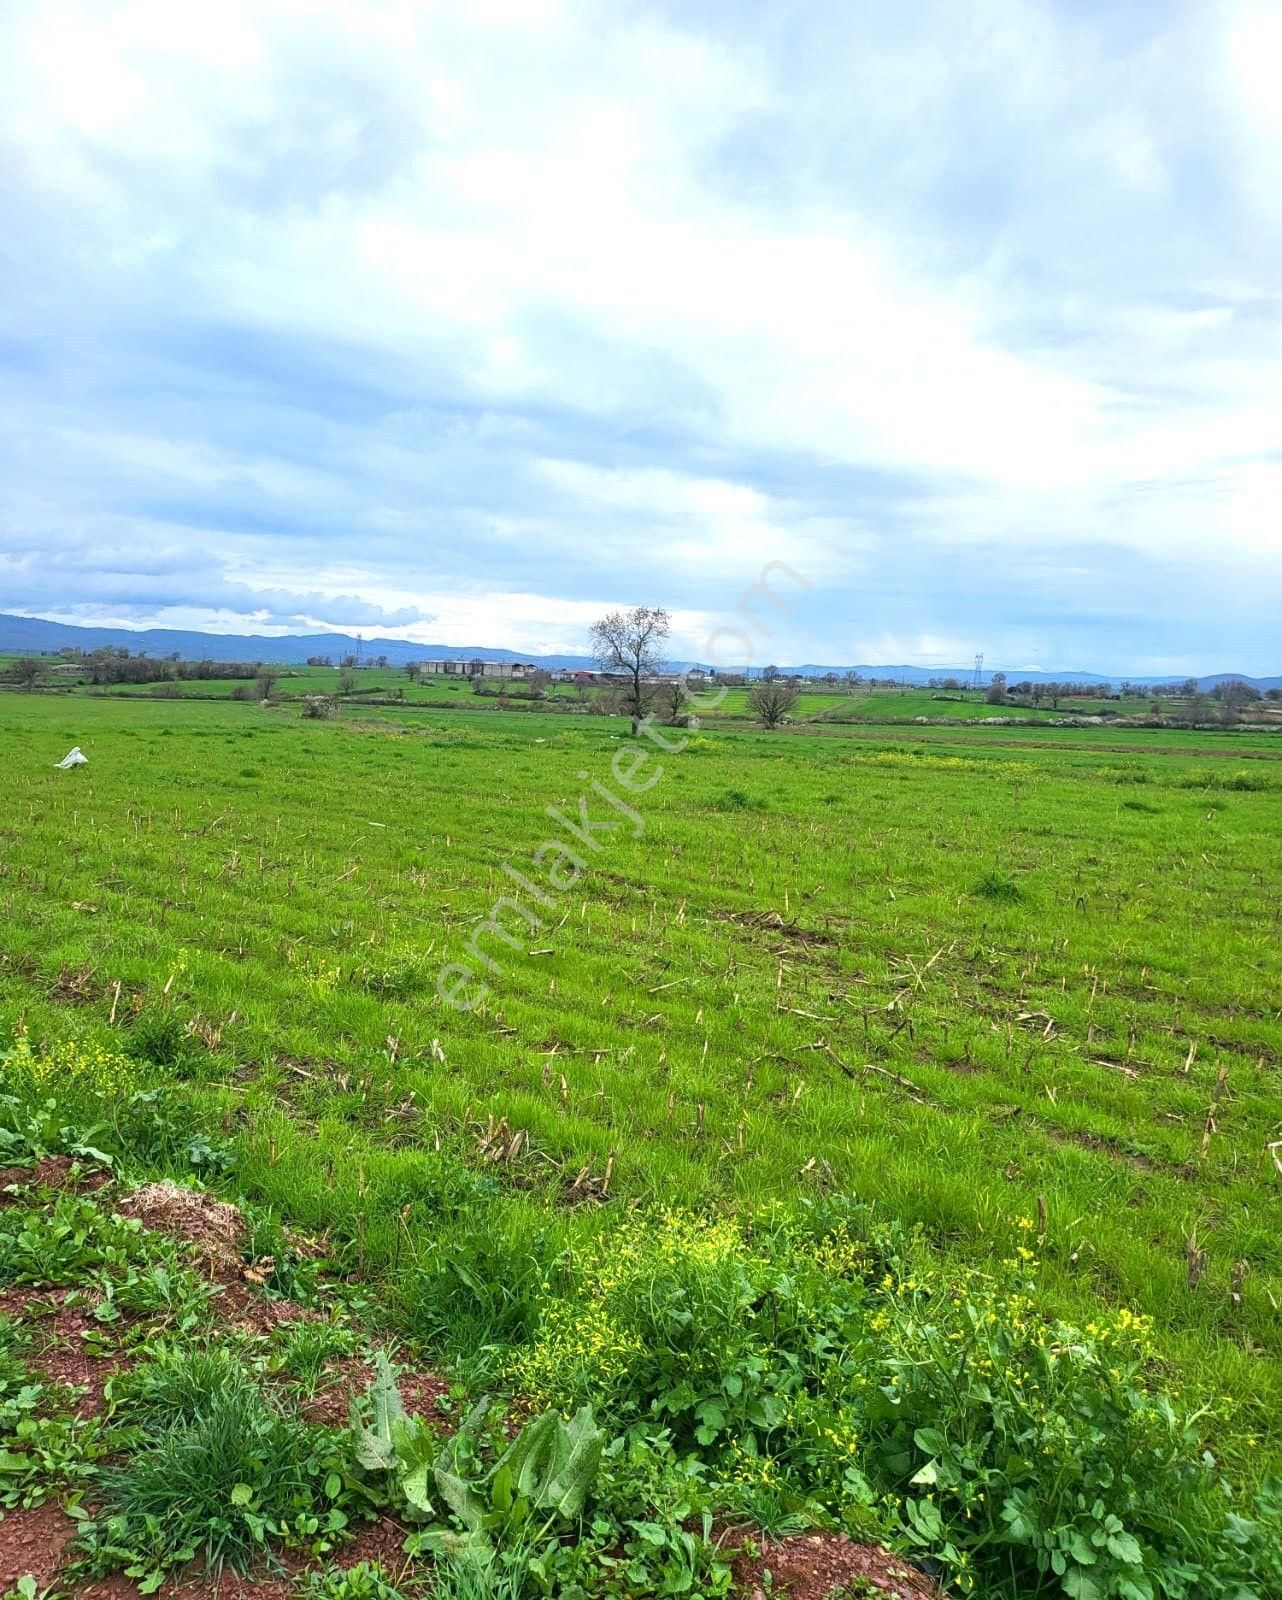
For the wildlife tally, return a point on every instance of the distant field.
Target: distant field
(818, 704)
(370, 682)
(864, 705)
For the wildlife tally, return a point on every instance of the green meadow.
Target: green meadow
(1012, 994)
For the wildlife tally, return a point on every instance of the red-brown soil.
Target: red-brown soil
(37, 1541)
(52, 1172)
(813, 1566)
(424, 1393)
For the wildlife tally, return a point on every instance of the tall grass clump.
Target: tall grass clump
(997, 886)
(477, 1285)
(221, 1473)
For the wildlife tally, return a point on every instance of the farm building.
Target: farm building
(475, 667)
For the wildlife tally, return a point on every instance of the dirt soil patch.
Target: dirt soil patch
(32, 1540)
(216, 1229)
(218, 1232)
(51, 1172)
(37, 1541)
(424, 1393)
(813, 1566)
(778, 923)
(59, 1354)
(63, 1358)
(380, 1542)
(23, 1303)
(251, 1310)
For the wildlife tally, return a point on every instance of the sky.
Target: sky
(467, 323)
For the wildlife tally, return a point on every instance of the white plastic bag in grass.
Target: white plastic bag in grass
(73, 758)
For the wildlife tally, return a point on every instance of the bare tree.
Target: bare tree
(1234, 695)
(770, 673)
(267, 679)
(28, 672)
(413, 671)
(771, 699)
(996, 695)
(673, 700)
(346, 682)
(628, 642)
(539, 681)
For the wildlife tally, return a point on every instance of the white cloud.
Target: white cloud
(653, 297)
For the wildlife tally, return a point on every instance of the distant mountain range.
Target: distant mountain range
(36, 635)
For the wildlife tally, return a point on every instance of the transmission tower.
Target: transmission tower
(979, 669)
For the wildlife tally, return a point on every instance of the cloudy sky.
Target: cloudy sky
(466, 322)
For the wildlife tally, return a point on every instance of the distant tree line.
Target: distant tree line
(1035, 693)
(626, 647)
(1182, 702)
(115, 664)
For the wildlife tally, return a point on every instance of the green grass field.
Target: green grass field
(1006, 985)
(905, 705)
(295, 682)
